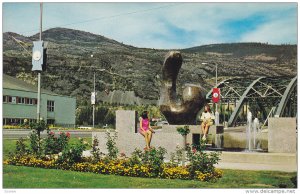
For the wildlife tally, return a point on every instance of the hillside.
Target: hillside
(127, 68)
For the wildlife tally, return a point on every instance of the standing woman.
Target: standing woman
(207, 118)
(145, 129)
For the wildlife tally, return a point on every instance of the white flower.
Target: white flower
(60, 153)
(70, 150)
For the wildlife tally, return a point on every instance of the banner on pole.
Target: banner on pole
(93, 98)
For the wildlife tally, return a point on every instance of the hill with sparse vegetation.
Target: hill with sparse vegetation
(130, 69)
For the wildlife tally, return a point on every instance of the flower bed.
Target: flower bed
(120, 167)
(55, 151)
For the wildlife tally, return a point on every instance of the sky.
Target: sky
(162, 25)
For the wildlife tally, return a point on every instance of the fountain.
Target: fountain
(248, 131)
(252, 130)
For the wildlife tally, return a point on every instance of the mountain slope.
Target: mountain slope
(127, 68)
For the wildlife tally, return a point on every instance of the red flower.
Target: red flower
(52, 133)
(194, 150)
(68, 134)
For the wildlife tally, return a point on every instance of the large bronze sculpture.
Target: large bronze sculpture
(178, 112)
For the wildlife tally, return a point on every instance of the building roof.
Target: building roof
(16, 84)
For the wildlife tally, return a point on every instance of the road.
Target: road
(17, 133)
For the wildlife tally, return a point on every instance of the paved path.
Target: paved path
(253, 166)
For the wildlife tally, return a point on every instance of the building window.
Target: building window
(50, 106)
(21, 100)
(27, 100)
(5, 99)
(9, 99)
(50, 121)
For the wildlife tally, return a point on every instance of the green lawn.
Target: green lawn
(28, 177)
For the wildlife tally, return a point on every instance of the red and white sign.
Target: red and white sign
(216, 95)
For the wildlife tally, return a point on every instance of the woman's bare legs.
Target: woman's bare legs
(206, 129)
(203, 130)
(149, 137)
(202, 127)
(145, 134)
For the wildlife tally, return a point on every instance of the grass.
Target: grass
(28, 177)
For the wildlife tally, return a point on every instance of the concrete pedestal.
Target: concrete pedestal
(129, 138)
(282, 137)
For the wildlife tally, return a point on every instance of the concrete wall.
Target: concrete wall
(282, 135)
(129, 138)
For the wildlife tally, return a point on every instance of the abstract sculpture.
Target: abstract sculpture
(177, 111)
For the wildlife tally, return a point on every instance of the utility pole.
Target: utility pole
(39, 73)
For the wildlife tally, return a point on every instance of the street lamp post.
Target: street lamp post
(94, 100)
(216, 112)
(39, 73)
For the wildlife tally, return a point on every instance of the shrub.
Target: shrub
(153, 158)
(54, 145)
(96, 151)
(35, 136)
(177, 157)
(21, 147)
(111, 145)
(34, 142)
(62, 141)
(200, 161)
(183, 130)
(73, 153)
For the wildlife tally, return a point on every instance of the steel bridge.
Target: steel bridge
(264, 96)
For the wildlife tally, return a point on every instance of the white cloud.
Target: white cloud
(276, 32)
(145, 26)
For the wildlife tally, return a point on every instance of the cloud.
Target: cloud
(276, 32)
(169, 25)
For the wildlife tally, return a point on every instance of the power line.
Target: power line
(109, 17)
(20, 43)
